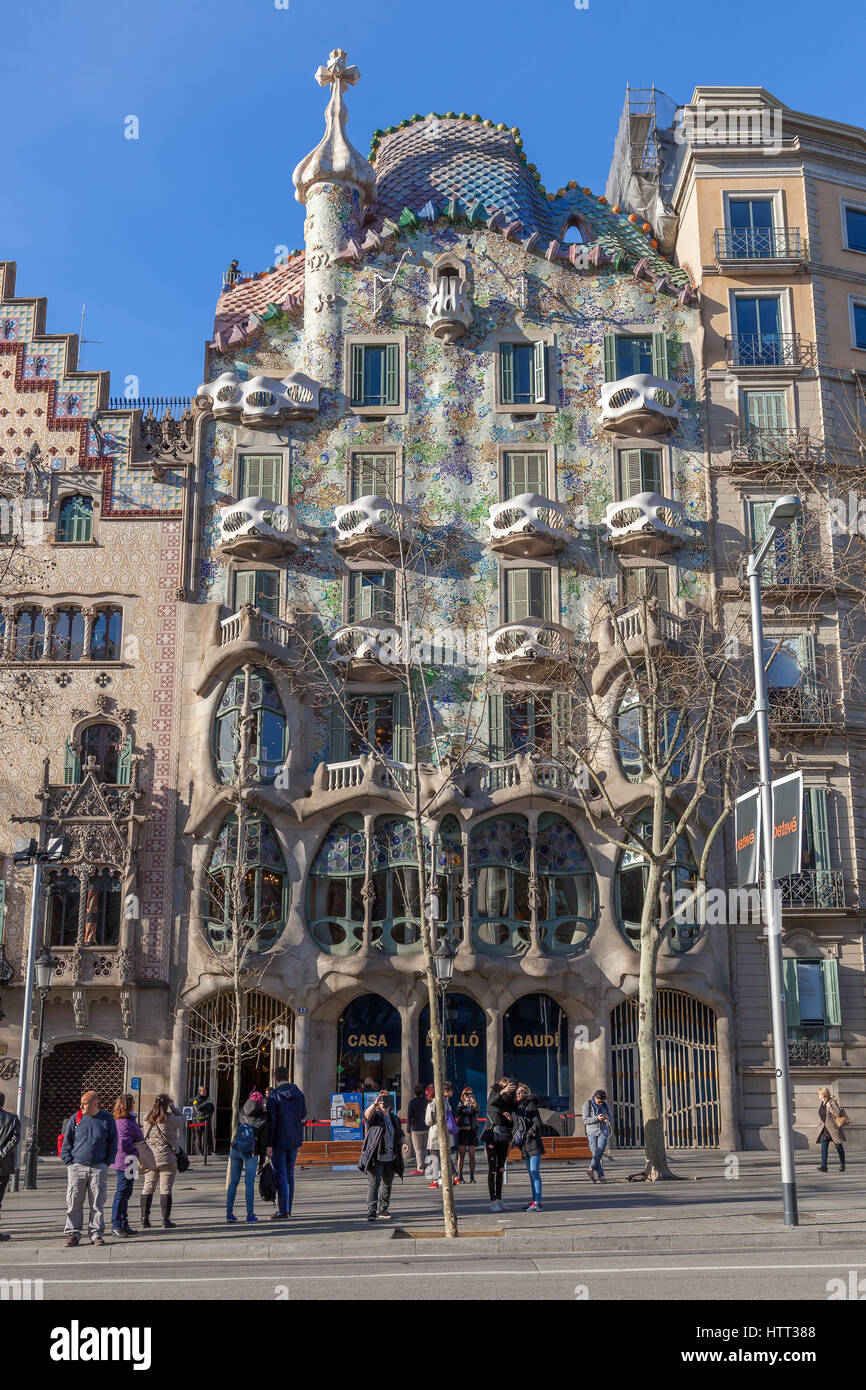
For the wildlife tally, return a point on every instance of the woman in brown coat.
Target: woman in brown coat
(831, 1132)
(162, 1131)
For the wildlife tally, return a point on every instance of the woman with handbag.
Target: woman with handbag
(163, 1129)
(496, 1136)
(129, 1136)
(833, 1120)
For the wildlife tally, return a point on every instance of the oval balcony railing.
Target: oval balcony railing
(641, 405)
(646, 524)
(371, 526)
(528, 526)
(251, 624)
(531, 649)
(262, 400)
(258, 529)
(367, 650)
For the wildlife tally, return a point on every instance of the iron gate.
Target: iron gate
(69, 1070)
(688, 1071)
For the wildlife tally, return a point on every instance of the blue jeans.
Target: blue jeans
(825, 1152)
(533, 1168)
(120, 1206)
(247, 1166)
(597, 1144)
(284, 1169)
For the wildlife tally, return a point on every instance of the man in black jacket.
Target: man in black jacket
(381, 1154)
(10, 1133)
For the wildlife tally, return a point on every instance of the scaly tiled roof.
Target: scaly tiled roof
(282, 287)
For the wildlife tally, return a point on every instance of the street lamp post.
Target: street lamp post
(784, 512)
(443, 969)
(44, 975)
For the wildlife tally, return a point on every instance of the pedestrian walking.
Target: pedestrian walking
(598, 1121)
(164, 1126)
(247, 1154)
(202, 1110)
(287, 1111)
(532, 1145)
(452, 1126)
(89, 1146)
(416, 1130)
(129, 1136)
(466, 1116)
(381, 1155)
(496, 1136)
(434, 1157)
(833, 1120)
(10, 1133)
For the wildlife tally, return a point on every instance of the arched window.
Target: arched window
(74, 521)
(499, 869)
(61, 910)
(106, 638)
(29, 634)
(67, 635)
(256, 912)
(335, 902)
(256, 693)
(449, 878)
(568, 903)
(104, 742)
(102, 910)
(638, 743)
(396, 907)
(631, 879)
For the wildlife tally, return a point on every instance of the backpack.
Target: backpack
(244, 1142)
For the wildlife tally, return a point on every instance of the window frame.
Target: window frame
(844, 204)
(243, 454)
(350, 618)
(65, 500)
(546, 451)
(377, 340)
(395, 455)
(855, 302)
(661, 452)
(257, 569)
(553, 595)
(525, 339)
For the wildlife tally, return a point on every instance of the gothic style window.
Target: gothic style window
(568, 903)
(396, 908)
(268, 742)
(257, 912)
(335, 901)
(74, 521)
(67, 636)
(499, 869)
(29, 634)
(102, 910)
(631, 879)
(105, 640)
(61, 910)
(103, 742)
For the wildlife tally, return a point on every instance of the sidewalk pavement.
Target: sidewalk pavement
(724, 1202)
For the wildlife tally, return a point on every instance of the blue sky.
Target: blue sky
(140, 230)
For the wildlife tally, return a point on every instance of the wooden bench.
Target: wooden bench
(326, 1152)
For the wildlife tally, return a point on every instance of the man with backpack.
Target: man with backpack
(247, 1152)
(287, 1111)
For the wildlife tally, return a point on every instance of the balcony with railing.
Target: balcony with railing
(258, 529)
(758, 448)
(765, 350)
(759, 249)
(646, 524)
(809, 705)
(629, 633)
(532, 649)
(251, 624)
(372, 528)
(641, 405)
(813, 888)
(370, 650)
(528, 526)
(260, 401)
(808, 1047)
(796, 568)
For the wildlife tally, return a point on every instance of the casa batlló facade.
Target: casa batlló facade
(459, 358)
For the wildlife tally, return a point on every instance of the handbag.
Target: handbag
(146, 1159)
(268, 1182)
(180, 1153)
(518, 1133)
(841, 1119)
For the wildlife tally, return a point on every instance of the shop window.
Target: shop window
(369, 1050)
(266, 727)
(250, 909)
(464, 1034)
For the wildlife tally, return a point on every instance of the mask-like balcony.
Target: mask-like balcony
(371, 528)
(370, 650)
(640, 405)
(449, 313)
(530, 650)
(646, 524)
(528, 526)
(250, 624)
(257, 529)
(262, 401)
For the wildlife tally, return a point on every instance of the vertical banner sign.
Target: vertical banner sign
(747, 820)
(787, 824)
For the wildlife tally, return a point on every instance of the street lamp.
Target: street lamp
(44, 970)
(443, 964)
(783, 514)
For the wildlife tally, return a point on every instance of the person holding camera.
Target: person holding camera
(381, 1154)
(496, 1136)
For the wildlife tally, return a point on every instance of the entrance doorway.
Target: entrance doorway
(688, 1072)
(369, 1047)
(267, 1041)
(535, 1048)
(69, 1070)
(465, 1033)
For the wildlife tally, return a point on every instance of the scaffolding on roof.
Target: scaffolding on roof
(645, 160)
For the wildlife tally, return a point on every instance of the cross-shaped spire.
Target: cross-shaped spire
(336, 74)
(335, 160)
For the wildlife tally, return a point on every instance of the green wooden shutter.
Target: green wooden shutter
(539, 594)
(660, 355)
(497, 749)
(506, 373)
(560, 723)
(539, 363)
(832, 1005)
(245, 588)
(251, 476)
(792, 993)
(765, 410)
(392, 374)
(338, 733)
(630, 473)
(816, 808)
(610, 369)
(71, 765)
(402, 730)
(357, 374)
(516, 595)
(271, 479)
(808, 659)
(124, 763)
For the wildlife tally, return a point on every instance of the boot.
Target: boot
(165, 1208)
(146, 1204)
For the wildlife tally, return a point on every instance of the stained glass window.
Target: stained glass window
(255, 910)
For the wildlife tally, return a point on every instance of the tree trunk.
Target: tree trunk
(650, 1090)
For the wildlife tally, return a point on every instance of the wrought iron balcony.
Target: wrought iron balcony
(368, 650)
(813, 888)
(261, 401)
(807, 704)
(765, 446)
(250, 624)
(258, 529)
(532, 649)
(797, 569)
(528, 526)
(646, 524)
(760, 244)
(767, 350)
(372, 528)
(640, 405)
(808, 1049)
